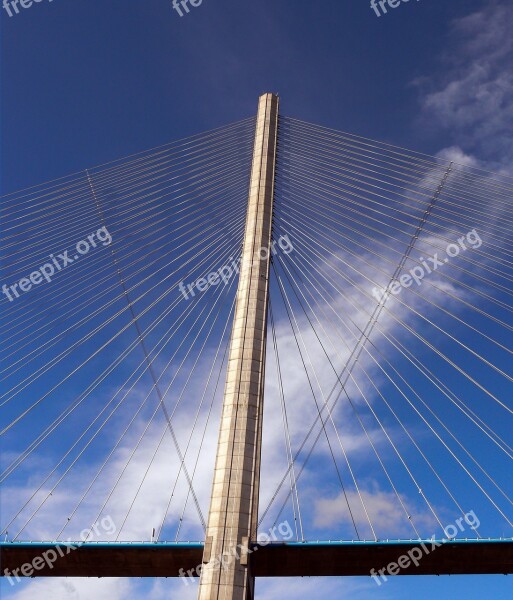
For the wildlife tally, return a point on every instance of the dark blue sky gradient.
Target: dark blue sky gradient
(85, 82)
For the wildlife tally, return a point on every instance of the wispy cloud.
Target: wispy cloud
(383, 508)
(74, 589)
(168, 589)
(471, 97)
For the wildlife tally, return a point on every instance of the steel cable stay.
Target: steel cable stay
(361, 308)
(190, 227)
(340, 153)
(128, 388)
(403, 392)
(219, 164)
(208, 220)
(287, 157)
(466, 302)
(87, 392)
(298, 150)
(286, 430)
(391, 220)
(415, 187)
(148, 362)
(319, 414)
(218, 175)
(228, 198)
(168, 425)
(316, 170)
(214, 192)
(125, 162)
(133, 238)
(506, 518)
(305, 217)
(397, 150)
(50, 342)
(370, 148)
(347, 250)
(364, 429)
(354, 303)
(307, 203)
(353, 407)
(72, 464)
(358, 307)
(224, 342)
(167, 337)
(320, 186)
(59, 357)
(356, 235)
(124, 328)
(300, 274)
(224, 172)
(162, 396)
(421, 338)
(179, 400)
(326, 418)
(305, 462)
(485, 266)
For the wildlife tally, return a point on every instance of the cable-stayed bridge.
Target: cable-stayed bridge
(149, 307)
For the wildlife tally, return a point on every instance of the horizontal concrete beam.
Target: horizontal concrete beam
(273, 560)
(359, 558)
(100, 560)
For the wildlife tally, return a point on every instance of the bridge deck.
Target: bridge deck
(272, 560)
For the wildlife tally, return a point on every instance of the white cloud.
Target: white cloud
(472, 96)
(384, 510)
(74, 589)
(315, 587)
(169, 589)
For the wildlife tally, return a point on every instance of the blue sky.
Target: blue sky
(88, 82)
(85, 82)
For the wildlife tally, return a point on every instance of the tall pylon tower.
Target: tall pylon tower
(233, 516)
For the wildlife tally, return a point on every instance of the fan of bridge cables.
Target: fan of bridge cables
(389, 359)
(390, 354)
(112, 362)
